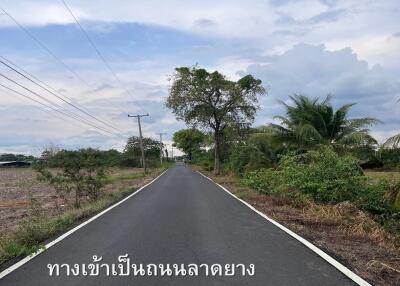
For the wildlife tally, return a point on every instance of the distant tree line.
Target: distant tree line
(16, 157)
(129, 157)
(82, 172)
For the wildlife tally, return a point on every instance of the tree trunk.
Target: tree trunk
(217, 163)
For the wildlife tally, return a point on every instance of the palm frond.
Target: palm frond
(308, 133)
(327, 100)
(361, 122)
(358, 138)
(392, 142)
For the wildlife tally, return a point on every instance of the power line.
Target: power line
(60, 108)
(58, 96)
(101, 56)
(54, 109)
(36, 101)
(43, 46)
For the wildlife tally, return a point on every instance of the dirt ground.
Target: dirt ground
(342, 231)
(18, 186)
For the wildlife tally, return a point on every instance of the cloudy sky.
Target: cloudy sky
(347, 48)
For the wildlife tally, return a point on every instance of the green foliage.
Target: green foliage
(189, 141)
(324, 176)
(247, 158)
(82, 174)
(392, 142)
(379, 197)
(54, 158)
(16, 157)
(390, 157)
(132, 152)
(310, 122)
(267, 181)
(213, 102)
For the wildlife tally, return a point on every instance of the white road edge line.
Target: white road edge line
(58, 239)
(350, 274)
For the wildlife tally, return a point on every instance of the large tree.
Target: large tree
(189, 141)
(310, 122)
(132, 151)
(211, 101)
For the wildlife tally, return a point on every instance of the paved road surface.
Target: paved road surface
(183, 218)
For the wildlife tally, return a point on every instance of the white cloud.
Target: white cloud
(315, 71)
(359, 63)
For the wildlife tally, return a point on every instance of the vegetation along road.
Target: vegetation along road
(181, 218)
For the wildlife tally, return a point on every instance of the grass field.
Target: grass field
(390, 175)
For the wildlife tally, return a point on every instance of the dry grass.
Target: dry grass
(18, 186)
(342, 230)
(383, 175)
(30, 212)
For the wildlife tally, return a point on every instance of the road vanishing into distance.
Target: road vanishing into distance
(182, 218)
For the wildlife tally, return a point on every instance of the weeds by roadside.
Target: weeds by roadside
(39, 226)
(30, 234)
(343, 230)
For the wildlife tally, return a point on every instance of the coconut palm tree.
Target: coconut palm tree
(310, 122)
(394, 141)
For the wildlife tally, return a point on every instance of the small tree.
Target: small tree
(151, 148)
(189, 141)
(211, 101)
(82, 174)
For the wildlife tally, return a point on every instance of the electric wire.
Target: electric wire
(60, 108)
(43, 46)
(59, 97)
(54, 109)
(98, 52)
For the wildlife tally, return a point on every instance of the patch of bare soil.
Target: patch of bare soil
(343, 231)
(19, 186)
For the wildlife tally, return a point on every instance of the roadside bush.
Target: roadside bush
(247, 158)
(82, 174)
(378, 197)
(324, 176)
(265, 181)
(390, 158)
(321, 174)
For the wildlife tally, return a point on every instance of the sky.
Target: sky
(347, 48)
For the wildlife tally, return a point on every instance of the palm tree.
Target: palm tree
(394, 141)
(310, 122)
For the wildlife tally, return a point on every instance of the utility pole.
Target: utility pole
(140, 137)
(161, 149)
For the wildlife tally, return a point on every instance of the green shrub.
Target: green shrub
(321, 174)
(247, 158)
(324, 176)
(375, 197)
(390, 157)
(265, 181)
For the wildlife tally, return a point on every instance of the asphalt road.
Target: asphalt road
(182, 218)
